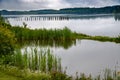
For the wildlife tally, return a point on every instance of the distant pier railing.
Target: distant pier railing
(58, 18)
(37, 18)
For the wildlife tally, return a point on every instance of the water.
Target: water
(105, 25)
(90, 57)
(87, 56)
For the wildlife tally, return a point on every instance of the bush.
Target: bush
(7, 41)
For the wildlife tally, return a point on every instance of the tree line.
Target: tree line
(84, 10)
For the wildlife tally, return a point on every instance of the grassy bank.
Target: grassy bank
(34, 60)
(4, 76)
(15, 73)
(103, 38)
(56, 35)
(33, 65)
(23, 34)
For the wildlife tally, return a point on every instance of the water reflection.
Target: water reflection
(88, 56)
(90, 16)
(64, 44)
(117, 17)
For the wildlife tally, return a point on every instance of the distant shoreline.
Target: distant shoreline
(110, 14)
(78, 11)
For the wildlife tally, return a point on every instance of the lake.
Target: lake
(105, 25)
(82, 56)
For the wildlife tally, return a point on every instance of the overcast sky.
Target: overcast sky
(53, 4)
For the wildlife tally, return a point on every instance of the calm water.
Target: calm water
(90, 57)
(107, 25)
(86, 56)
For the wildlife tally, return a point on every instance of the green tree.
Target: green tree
(7, 41)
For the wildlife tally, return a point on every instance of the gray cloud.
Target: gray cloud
(93, 3)
(32, 4)
(53, 4)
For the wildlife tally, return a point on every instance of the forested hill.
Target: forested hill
(84, 10)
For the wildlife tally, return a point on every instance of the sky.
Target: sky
(53, 4)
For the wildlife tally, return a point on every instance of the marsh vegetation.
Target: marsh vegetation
(40, 64)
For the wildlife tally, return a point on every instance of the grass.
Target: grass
(25, 74)
(4, 76)
(23, 34)
(15, 73)
(33, 65)
(56, 35)
(34, 60)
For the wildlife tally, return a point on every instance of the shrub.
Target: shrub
(7, 41)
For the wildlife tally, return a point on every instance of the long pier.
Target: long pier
(36, 18)
(57, 18)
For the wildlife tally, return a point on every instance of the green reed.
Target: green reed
(43, 34)
(55, 35)
(34, 60)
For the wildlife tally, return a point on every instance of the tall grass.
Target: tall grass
(34, 60)
(33, 64)
(42, 34)
(55, 35)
